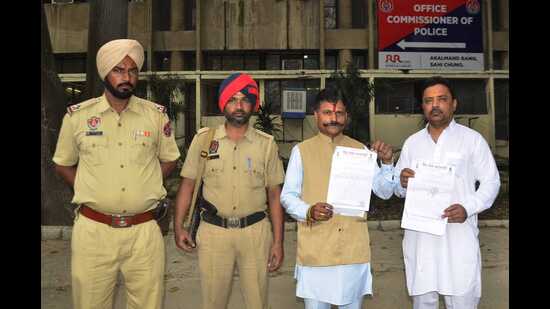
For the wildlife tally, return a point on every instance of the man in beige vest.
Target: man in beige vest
(333, 256)
(115, 151)
(243, 174)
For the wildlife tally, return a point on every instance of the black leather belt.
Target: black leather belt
(234, 222)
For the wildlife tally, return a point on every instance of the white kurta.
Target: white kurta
(339, 284)
(450, 264)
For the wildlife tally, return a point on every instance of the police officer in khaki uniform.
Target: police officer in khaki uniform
(115, 151)
(242, 173)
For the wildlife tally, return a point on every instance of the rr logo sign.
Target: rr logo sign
(393, 58)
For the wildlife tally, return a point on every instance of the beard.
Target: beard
(238, 118)
(124, 94)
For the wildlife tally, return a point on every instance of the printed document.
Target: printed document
(350, 183)
(429, 193)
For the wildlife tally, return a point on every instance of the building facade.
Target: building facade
(289, 45)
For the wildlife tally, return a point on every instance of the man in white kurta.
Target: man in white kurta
(336, 269)
(449, 265)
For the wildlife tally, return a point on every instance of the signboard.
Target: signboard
(430, 34)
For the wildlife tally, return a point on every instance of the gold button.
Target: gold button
(235, 148)
(120, 124)
(234, 167)
(122, 166)
(119, 143)
(234, 207)
(93, 145)
(124, 211)
(123, 189)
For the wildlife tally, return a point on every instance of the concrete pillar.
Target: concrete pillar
(177, 19)
(505, 26)
(321, 35)
(488, 29)
(344, 14)
(344, 57)
(177, 8)
(372, 44)
(344, 22)
(198, 49)
(504, 14)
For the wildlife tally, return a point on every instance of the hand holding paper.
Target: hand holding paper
(351, 178)
(429, 193)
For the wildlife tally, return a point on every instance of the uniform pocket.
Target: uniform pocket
(213, 171)
(255, 176)
(142, 150)
(93, 149)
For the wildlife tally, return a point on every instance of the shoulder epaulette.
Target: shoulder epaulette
(80, 106)
(160, 108)
(153, 105)
(202, 130)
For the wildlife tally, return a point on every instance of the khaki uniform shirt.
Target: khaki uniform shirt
(236, 174)
(117, 155)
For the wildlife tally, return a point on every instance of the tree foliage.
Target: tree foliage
(358, 92)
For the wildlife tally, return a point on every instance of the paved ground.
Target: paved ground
(182, 279)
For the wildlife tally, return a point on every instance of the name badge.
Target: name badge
(213, 156)
(92, 133)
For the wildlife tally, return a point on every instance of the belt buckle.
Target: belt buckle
(233, 222)
(118, 221)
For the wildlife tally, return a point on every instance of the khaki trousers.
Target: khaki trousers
(99, 252)
(220, 249)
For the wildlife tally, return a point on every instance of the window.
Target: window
(359, 14)
(233, 61)
(273, 62)
(251, 62)
(161, 15)
(500, 60)
(331, 14)
(471, 96)
(211, 88)
(331, 60)
(395, 96)
(501, 109)
(359, 58)
(189, 61)
(190, 10)
(162, 61)
(213, 62)
(311, 62)
(70, 63)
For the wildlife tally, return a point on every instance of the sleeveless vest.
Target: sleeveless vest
(342, 239)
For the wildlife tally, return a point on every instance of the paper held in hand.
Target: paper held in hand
(429, 193)
(350, 183)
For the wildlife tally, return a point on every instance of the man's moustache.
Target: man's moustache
(126, 84)
(435, 110)
(336, 124)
